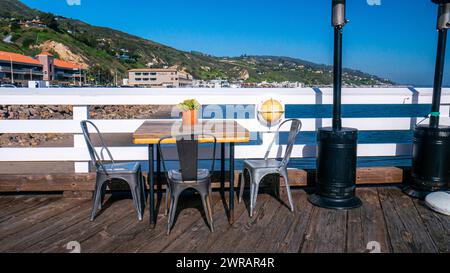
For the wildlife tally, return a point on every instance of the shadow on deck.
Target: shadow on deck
(398, 223)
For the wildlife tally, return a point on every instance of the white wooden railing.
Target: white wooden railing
(81, 99)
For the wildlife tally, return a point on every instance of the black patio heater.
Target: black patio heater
(431, 149)
(337, 146)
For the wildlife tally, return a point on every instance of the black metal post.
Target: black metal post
(438, 76)
(336, 146)
(151, 182)
(222, 167)
(158, 175)
(231, 207)
(337, 79)
(431, 149)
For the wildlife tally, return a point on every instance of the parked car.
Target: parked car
(7, 86)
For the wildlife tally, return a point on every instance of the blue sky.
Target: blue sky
(396, 39)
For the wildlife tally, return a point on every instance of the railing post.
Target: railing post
(80, 113)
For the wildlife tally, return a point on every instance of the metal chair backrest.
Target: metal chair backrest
(96, 159)
(296, 126)
(188, 153)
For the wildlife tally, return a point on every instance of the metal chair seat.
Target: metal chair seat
(176, 176)
(263, 164)
(188, 175)
(129, 172)
(259, 168)
(127, 167)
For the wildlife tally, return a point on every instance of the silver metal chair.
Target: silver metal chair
(188, 176)
(129, 172)
(259, 168)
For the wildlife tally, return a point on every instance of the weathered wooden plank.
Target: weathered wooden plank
(406, 229)
(47, 183)
(438, 226)
(195, 239)
(34, 216)
(5, 199)
(366, 224)
(243, 227)
(265, 220)
(114, 212)
(78, 194)
(27, 239)
(189, 211)
(294, 238)
(355, 238)
(377, 176)
(197, 215)
(101, 235)
(85, 182)
(327, 232)
(124, 233)
(273, 234)
(15, 209)
(387, 216)
(202, 244)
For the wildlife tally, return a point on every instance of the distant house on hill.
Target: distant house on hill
(18, 68)
(33, 23)
(159, 77)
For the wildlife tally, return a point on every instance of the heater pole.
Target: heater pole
(337, 79)
(443, 12)
(338, 21)
(431, 147)
(336, 146)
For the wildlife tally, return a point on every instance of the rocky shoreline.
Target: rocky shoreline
(62, 112)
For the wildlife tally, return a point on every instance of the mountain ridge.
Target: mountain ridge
(107, 52)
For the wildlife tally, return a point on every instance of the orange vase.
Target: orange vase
(190, 117)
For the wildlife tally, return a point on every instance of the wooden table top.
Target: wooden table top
(225, 131)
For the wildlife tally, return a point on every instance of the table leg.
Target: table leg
(231, 206)
(222, 167)
(158, 173)
(151, 183)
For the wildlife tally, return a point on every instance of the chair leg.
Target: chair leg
(255, 197)
(252, 187)
(210, 198)
(167, 201)
(172, 211)
(97, 198)
(102, 196)
(277, 188)
(256, 179)
(207, 209)
(284, 173)
(142, 187)
(242, 186)
(136, 198)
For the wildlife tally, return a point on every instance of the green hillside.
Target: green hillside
(108, 52)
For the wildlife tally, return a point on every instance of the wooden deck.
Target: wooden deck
(398, 223)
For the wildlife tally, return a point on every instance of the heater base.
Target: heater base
(431, 161)
(336, 169)
(415, 193)
(337, 204)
